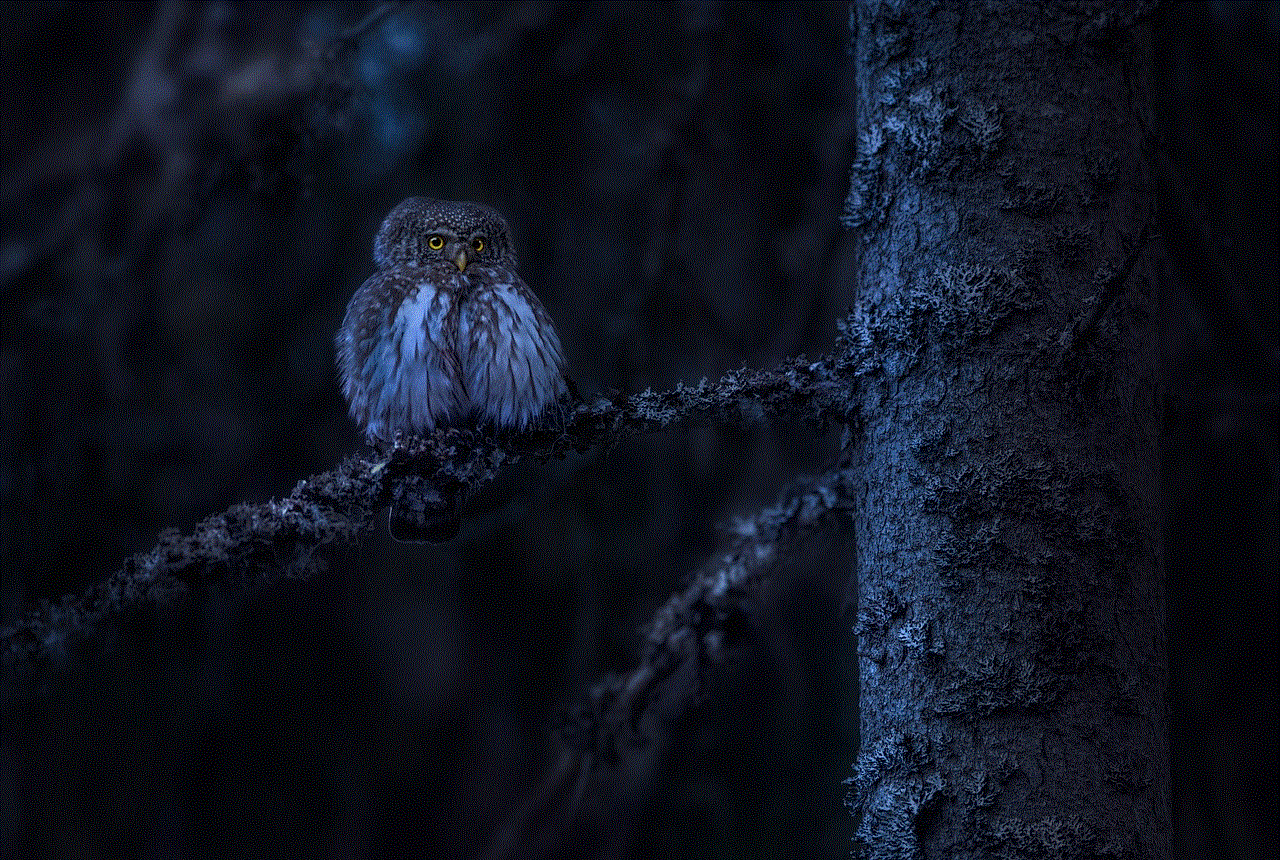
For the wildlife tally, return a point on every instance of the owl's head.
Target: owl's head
(421, 231)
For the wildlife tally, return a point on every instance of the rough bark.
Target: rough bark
(1011, 606)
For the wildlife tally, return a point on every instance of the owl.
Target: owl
(446, 333)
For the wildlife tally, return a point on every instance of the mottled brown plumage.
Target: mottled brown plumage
(446, 332)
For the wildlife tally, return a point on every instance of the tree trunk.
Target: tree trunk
(1011, 606)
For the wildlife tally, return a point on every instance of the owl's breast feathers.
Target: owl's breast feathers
(428, 345)
(512, 363)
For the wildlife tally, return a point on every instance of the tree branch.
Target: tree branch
(610, 738)
(256, 544)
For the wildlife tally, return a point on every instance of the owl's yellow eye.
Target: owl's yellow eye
(477, 244)
(435, 243)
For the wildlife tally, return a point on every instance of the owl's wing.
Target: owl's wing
(512, 363)
(397, 352)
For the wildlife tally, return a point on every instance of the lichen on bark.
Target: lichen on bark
(1011, 610)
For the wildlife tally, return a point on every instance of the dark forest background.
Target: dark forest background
(187, 201)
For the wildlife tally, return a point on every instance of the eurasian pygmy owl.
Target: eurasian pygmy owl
(446, 333)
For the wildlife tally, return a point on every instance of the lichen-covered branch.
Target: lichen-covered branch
(611, 738)
(250, 544)
(702, 621)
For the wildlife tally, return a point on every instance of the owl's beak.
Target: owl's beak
(461, 260)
